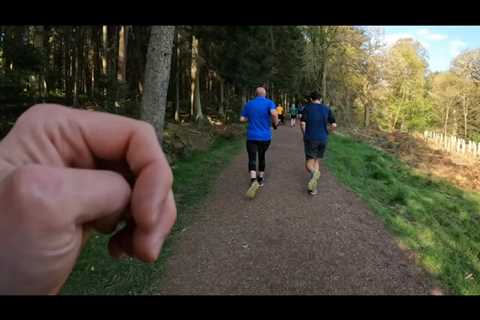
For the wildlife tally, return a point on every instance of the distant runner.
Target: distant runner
(300, 110)
(293, 115)
(281, 113)
(315, 119)
(301, 106)
(260, 113)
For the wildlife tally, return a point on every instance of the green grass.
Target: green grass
(97, 273)
(436, 220)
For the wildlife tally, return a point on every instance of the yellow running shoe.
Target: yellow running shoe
(312, 184)
(252, 191)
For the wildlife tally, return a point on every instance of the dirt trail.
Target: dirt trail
(286, 241)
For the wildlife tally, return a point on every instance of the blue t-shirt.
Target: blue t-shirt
(257, 111)
(316, 117)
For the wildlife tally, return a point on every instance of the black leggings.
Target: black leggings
(253, 147)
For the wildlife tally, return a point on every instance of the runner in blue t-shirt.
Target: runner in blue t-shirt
(314, 123)
(260, 114)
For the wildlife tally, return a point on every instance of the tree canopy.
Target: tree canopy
(365, 82)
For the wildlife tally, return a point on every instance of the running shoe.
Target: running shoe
(252, 191)
(260, 181)
(313, 183)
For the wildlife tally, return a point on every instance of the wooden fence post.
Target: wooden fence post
(452, 144)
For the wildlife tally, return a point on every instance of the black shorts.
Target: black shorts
(314, 149)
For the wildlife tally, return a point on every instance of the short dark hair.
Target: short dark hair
(315, 95)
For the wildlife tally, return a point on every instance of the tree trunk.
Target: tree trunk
(122, 54)
(272, 73)
(112, 90)
(157, 76)
(244, 96)
(81, 61)
(89, 64)
(186, 78)
(105, 49)
(136, 63)
(455, 123)
(210, 86)
(187, 84)
(75, 69)
(39, 43)
(206, 95)
(366, 106)
(366, 115)
(198, 104)
(96, 61)
(75, 73)
(104, 64)
(50, 67)
(465, 115)
(195, 74)
(221, 110)
(397, 113)
(324, 78)
(229, 97)
(446, 119)
(177, 77)
(395, 119)
(68, 66)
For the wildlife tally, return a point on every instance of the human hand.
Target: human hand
(64, 172)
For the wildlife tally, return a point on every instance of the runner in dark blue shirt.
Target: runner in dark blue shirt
(306, 100)
(314, 123)
(260, 114)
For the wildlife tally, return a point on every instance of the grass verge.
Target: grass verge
(97, 273)
(439, 222)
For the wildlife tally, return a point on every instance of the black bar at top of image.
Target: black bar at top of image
(239, 12)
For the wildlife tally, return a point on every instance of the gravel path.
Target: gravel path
(286, 241)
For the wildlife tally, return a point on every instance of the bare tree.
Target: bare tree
(195, 73)
(122, 54)
(157, 76)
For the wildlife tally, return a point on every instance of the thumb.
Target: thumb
(93, 197)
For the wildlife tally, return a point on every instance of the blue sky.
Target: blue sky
(442, 43)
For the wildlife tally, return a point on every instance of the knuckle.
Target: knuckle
(173, 215)
(35, 191)
(38, 111)
(34, 110)
(149, 216)
(168, 176)
(147, 127)
(170, 212)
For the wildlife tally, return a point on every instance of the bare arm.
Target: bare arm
(243, 119)
(274, 115)
(332, 121)
(303, 121)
